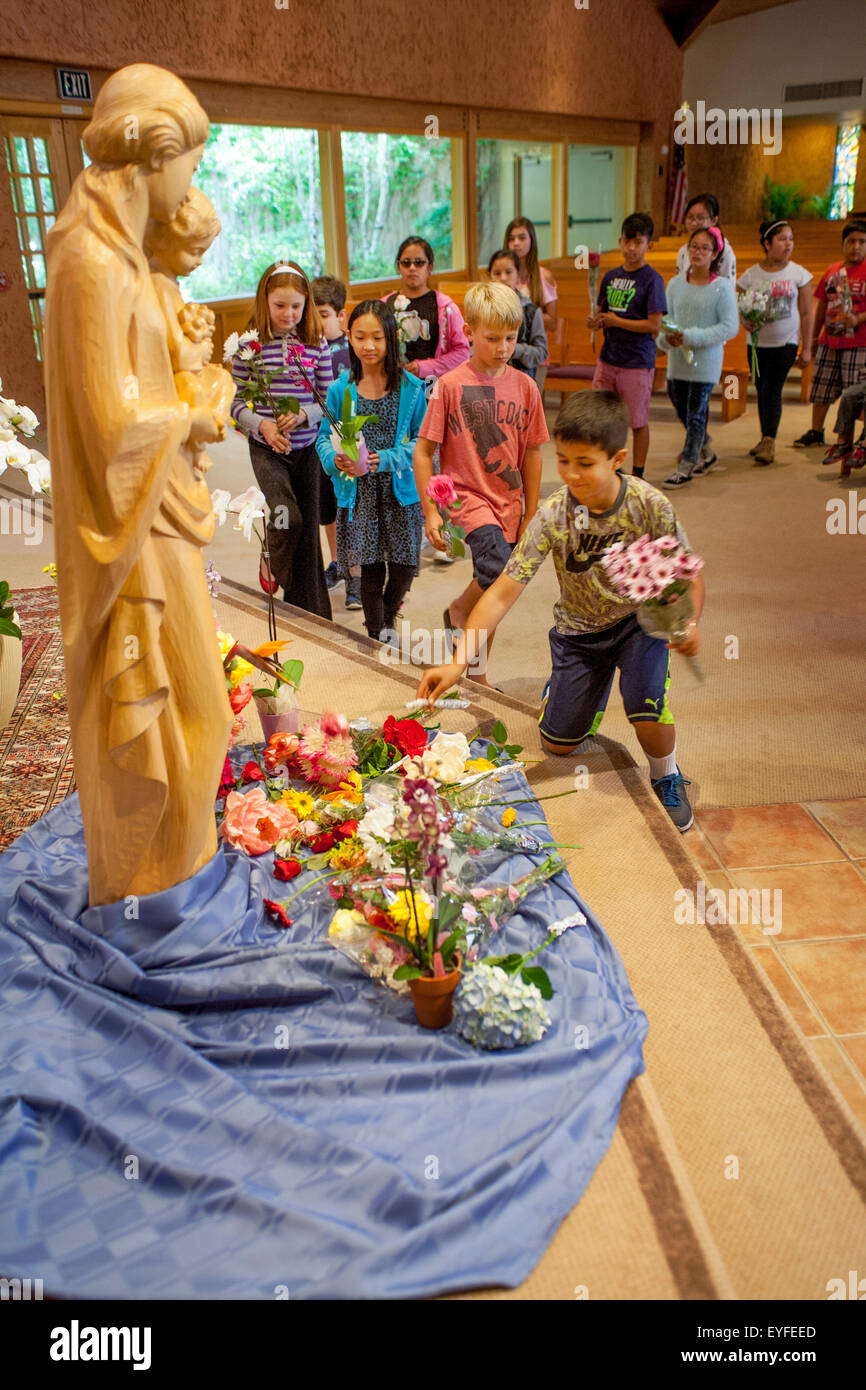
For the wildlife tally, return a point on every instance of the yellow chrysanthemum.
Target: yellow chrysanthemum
(226, 642)
(301, 803)
(404, 912)
(479, 765)
(350, 789)
(509, 816)
(240, 669)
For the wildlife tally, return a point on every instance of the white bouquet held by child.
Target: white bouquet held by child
(410, 325)
(657, 575)
(757, 308)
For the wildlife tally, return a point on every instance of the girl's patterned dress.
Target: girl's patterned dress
(381, 529)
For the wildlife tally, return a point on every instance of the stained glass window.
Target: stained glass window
(845, 171)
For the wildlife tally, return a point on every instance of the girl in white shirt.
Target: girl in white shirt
(702, 211)
(790, 285)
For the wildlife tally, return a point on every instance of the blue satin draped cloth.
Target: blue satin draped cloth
(197, 1103)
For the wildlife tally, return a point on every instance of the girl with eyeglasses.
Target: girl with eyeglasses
(441, 342)
(703, 305)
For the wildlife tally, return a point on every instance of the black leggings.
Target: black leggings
(774, 365)
(291, 484)
(379, 600)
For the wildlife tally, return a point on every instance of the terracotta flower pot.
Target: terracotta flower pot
(433, 998)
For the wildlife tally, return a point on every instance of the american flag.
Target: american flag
(679, 188)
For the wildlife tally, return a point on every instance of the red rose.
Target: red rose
(255, 346)
(277, 912)
(320, 843)
(346, 830)
(252, 772)
(336, 891)
(287, 868)
(408, 735)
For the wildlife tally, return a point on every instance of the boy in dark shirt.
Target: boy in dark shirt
(631, 303)
(329, 297)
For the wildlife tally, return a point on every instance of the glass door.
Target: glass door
(514, 179)
(41, 163)
(600, 194)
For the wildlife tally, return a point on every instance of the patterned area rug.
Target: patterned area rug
(36, 769)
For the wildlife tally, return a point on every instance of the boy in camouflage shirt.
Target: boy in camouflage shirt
(595, 628)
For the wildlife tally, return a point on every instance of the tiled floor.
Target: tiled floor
(808, 863)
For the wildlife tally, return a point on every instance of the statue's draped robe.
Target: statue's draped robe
(147, 702)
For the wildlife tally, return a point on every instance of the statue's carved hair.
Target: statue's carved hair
(144, 115)
(195, 220)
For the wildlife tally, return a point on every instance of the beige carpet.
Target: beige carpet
(728, 1075)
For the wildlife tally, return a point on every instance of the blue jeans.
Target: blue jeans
(691, 401)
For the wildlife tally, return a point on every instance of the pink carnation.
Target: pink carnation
(334, 725)
(254, 824)
(441, 490)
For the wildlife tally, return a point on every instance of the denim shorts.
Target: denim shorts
(490, 553)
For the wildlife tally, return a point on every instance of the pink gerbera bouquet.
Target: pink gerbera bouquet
(656, 575)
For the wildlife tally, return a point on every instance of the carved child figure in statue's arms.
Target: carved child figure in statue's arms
(176, 249)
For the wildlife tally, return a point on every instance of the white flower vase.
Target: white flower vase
(10, 674)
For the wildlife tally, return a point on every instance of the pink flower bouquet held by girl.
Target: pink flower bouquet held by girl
(441, 490)
(657, 575)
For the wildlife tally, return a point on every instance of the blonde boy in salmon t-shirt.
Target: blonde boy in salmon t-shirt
(488, 420)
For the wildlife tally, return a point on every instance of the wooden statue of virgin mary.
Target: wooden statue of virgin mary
(147, 697)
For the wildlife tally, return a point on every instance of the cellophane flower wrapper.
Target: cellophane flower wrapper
(668, 326)
(480, 788)
(368, 949)
(492, 903)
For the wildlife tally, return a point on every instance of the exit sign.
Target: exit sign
(74, 84)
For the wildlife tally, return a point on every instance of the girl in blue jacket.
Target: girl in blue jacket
(379, 517)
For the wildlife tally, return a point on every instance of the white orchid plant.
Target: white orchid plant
(249, 507)
(18, 419)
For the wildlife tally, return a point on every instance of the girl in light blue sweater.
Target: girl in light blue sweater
(703, 306)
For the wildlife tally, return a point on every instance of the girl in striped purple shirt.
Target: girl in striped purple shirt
(283, 451)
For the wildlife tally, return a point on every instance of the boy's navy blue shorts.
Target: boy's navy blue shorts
(584, 665)
(490, 553)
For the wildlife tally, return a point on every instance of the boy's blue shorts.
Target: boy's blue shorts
(584, 665)
(490, 554)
